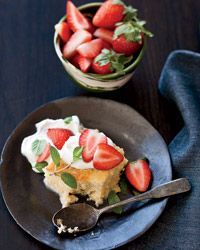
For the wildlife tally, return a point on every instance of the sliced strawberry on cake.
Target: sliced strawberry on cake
(89, 139)
(59, 136)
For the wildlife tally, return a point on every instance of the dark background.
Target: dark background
(31, 74)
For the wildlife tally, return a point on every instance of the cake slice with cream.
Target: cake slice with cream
(74, 160)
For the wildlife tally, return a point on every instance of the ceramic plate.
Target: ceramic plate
(32, 205)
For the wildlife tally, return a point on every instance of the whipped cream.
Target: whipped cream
(66, 153)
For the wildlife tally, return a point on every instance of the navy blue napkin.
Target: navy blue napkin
(180, 83)
(179, 225)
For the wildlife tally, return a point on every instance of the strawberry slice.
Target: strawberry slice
(106, 157)
(75, 18)
(59, 136)
(82, 62)
(101, 69)
(45, 154)
(89, 139)
(90, 49)
(109, 14)
(79, 37)
(63, 31)
(105, 34)
(139, 174)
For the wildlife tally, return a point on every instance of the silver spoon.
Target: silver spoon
(81, 217)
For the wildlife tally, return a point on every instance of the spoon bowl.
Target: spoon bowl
(79, 215)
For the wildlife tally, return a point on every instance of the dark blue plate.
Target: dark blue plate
(32, 205)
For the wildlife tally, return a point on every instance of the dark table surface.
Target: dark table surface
(31, 74)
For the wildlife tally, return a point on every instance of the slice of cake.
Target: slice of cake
(75, 160)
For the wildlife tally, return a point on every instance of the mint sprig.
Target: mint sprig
(38, 146)
(55, 156)
(112, 199)
(68, 120)
(69, 180)
(77, 153)
(40, 165)
(117, 61)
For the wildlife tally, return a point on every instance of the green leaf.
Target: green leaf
(135, 193)
(123, 186)
(132, 31)
(55, 155)
(68, 120)
(69, 180)
(112, 199)
(117, 60)
(38, 146)
(118, 2)
(77, 153)
(40, 165)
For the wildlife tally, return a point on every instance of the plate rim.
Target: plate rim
(60, 100)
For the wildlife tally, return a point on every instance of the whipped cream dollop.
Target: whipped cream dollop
(66, 153)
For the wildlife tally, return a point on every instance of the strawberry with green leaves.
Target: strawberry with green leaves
(129, 37)
(109, 61)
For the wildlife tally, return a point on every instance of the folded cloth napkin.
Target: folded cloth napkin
(179, 225)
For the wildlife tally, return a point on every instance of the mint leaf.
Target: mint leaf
(77, 153)
(68, 120)
(38, 146)
(55, 155)
(112, 199)
(40, 165)
(123, 186)
(69, 180)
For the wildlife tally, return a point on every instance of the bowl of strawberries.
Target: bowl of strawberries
(100, 44)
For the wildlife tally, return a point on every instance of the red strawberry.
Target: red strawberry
(106, 45)
(89, 139)
(45, 154)
(63, 31)
(121, 45)
(90, 49)
(106, 157)
(108, 15)
(105, 34)
(82, 62)
(139, 174)
(91, 28)
(59, 136)
(102, 70)
(79, 37)
(75, 18)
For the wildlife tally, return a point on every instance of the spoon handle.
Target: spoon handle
(164, 190)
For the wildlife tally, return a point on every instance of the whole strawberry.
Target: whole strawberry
(109, 61)
(110, 13)
(129, 37)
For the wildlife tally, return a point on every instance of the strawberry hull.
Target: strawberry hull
(97, 82)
